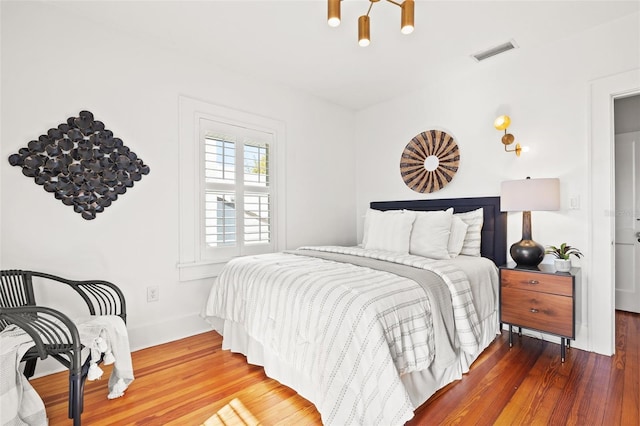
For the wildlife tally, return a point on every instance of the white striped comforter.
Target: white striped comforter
(350, 330)
(467, 322)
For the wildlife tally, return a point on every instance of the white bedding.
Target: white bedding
(357, 342)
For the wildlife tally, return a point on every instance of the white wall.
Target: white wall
(55, 65)
(545, 90)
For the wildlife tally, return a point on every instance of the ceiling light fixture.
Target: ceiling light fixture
(364, 26)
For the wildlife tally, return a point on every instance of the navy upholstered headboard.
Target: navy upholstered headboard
(494, 228)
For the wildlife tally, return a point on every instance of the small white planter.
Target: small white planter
(562, 265)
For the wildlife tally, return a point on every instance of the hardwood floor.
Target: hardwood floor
(191, 381)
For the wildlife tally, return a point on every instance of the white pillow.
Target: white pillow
(390, 230)
(430, 234)
(457, 236)
(474, 219)
(367, 221)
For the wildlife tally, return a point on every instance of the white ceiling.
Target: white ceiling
(289, 42)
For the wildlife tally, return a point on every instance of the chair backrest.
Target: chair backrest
(16, 289)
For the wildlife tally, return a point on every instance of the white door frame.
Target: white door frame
(601, 281)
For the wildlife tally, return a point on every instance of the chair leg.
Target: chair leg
(76, 393)
(30, 368)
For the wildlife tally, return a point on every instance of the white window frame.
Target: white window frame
(196, 260)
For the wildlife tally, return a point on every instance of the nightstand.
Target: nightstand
(541, 299)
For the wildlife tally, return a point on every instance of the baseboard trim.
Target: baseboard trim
(157, 333)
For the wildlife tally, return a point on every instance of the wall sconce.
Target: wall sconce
(502, 123)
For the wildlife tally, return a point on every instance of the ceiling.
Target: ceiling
(288, 42)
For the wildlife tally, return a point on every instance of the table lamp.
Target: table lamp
(527, 195)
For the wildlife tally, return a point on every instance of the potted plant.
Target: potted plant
(563, 253)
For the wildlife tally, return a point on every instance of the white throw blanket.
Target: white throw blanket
(105, 334)
(19, 402)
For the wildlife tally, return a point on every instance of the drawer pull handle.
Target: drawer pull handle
(534, 310)
(533, 282)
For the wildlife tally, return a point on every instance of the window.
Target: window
(236, 190)
(229, 202)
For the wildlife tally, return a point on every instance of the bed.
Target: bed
(369, 333)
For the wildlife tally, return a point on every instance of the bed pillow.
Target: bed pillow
(430, 234)
(474, 219)
(390, 230)
(457, 236)
(367, 220)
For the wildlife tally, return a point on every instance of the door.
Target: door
(627, 219)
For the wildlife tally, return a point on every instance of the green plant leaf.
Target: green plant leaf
(564, 251)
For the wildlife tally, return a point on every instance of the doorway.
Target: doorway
(600, 283)
(627, 203)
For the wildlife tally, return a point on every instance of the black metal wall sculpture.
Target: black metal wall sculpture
(82, 164)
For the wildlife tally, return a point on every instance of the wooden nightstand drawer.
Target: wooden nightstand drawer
(542, 311)
(546, 283)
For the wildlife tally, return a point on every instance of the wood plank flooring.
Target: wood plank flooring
(192, 381)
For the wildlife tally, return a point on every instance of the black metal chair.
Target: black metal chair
(53, 333)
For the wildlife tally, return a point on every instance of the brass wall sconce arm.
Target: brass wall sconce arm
(502, 123)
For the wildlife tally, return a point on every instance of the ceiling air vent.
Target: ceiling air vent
(486, 54)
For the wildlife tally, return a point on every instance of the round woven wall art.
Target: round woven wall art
(429, 161)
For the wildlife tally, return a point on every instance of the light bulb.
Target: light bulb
(407, 29)
(502, 122)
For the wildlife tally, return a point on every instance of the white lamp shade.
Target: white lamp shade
(530, 195)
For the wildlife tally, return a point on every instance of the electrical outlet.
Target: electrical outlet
(153, 293)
